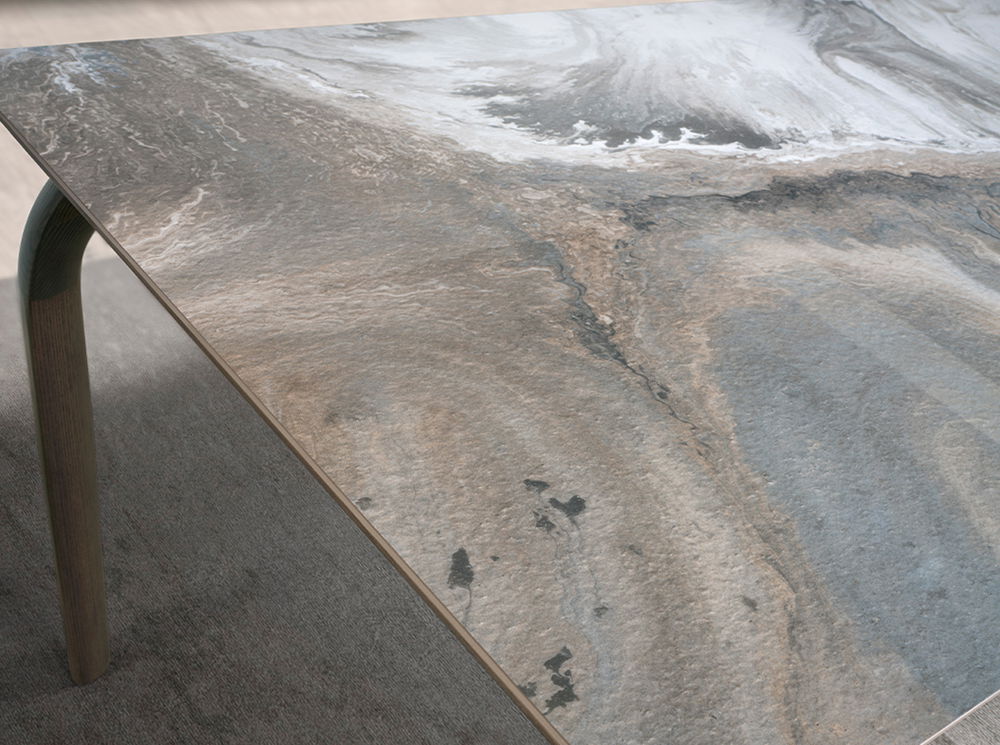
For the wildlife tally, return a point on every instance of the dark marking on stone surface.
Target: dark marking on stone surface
(564, 695)
(634, 549)
(536, 486)
(461, 574)
(600, 610)
(542, 521)
(364, 503)
(494, 558)
(636, 217)
(548, 113)
(597, 337)
(749, 602)
(988, 217)
(562, 679)
(571, 508)
(558, 660)
(832, 192)
(529, 689)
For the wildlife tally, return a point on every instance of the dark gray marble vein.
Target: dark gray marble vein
(662, 342)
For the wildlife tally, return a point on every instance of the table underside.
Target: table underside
(661, 342)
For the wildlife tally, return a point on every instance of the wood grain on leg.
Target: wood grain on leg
(49, 273)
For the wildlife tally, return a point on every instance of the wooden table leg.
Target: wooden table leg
(49, 275)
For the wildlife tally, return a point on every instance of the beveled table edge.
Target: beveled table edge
(533, 714)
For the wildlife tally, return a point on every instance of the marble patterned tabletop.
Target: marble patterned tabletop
(662, 342)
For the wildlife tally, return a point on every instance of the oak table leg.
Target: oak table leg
(49, 276)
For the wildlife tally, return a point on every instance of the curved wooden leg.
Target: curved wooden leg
(49, 275)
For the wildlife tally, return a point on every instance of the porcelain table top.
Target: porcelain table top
(661, 342)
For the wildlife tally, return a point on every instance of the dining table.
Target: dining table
(655, 350)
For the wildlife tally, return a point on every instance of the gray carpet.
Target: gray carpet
(245, 606)
(978, 727)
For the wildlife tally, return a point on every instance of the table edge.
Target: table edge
(961, 718)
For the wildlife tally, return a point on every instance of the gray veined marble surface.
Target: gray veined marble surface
(662, 342)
